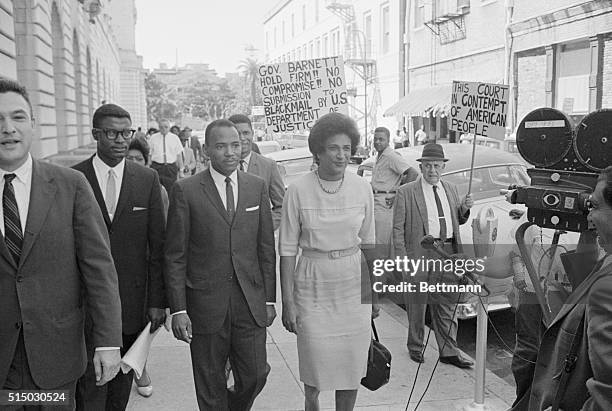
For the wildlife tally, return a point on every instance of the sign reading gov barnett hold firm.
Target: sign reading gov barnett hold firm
(297, 93)
(479, 108)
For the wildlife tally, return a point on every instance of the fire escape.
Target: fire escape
(356, 57)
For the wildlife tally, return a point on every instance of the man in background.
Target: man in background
(164, 155)
(256, 164)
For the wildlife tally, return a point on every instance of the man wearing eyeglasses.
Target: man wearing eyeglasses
(165, 155)
(129, 197)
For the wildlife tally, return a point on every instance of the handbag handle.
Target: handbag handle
(374, 330)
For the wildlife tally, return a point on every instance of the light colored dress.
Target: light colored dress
(333, 322)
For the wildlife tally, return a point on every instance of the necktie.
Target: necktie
(229, 197)
(164, 141)
(440, 214)
(111, 193)
(13, 236)
(242, 165)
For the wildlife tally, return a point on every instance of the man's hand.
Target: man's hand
(157, 316)
(468, 202)
(106, 364)
(375, 310)
(290, 317)
(181, 327)
(271, 312)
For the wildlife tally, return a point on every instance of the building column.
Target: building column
(549, 82)
(596, 72)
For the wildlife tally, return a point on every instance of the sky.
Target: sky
(204, 31)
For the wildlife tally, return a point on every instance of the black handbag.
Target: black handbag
(379, 364)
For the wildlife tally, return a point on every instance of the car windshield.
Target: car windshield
(487, 181)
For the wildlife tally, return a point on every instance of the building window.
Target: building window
(419, 13)
(333, 44)
(572, 82)
(275, 43)
(312, 55)
(305, 51)
(316, 11)
(283, 32)
(386, 29)
(292, 25)
(318, 49)
(367, 28)
(267, 40)
(298, 54)
(304, 17)
(337, 41)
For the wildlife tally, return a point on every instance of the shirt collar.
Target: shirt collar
(219, 178)
(23, 173)
(103, 168)
(425, 183)
(386, 151)
(247, 159)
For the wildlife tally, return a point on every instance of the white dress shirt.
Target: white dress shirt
(433, 221)
(101, 169)
(245, 162)
(22, 184)
(173, 148)
(219, 180)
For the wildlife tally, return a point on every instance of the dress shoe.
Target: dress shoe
(143, 385)
(457, 361)
(417, 356)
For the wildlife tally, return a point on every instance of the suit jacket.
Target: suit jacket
(136, 238)
(589, 386)
(410, 218)
(267, 169)
(65, 252)
(204, 250)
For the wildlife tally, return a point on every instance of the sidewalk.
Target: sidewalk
(451, 388)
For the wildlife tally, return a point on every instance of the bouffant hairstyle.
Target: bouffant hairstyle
(136, 144)
(331, 125)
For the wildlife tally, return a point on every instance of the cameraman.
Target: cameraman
(574, 364)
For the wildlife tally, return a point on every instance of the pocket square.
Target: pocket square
(138, 208)
(252, 208)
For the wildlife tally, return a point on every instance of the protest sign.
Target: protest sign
(297, 93)
(479, 108)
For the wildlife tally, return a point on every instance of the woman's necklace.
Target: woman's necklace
(333, 191)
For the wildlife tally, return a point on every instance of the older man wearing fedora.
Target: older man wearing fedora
(430, 206)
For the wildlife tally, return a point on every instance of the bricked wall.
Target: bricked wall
(606, 101)
(531, 77)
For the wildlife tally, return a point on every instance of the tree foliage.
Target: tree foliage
(161, 100)
(249, 68)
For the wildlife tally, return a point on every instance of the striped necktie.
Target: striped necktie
(13, 236)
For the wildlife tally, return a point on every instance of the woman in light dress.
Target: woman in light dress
(328, 215)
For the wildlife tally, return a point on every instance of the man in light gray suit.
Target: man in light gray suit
(431, 206)
(256, 164)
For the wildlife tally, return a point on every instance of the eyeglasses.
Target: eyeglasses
(112, 134)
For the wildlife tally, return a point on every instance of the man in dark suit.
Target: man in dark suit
(55, 248)
(221, 272)
(431, 206)
(254, 163)
(129, 197)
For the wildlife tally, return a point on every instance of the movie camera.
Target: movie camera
(567, 161)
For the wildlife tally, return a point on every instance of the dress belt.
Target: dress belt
(332, 255)
(384, 192)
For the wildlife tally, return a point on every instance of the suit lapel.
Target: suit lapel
(4, 252)
(242, 194)
(421, 205)
(127, 187)
(254, 164)
(41, 198)
(453, 206)
(90, 174)
(579, 292)
(209, 188)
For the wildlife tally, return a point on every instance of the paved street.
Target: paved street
(451, 388)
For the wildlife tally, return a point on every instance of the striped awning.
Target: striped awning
(421, 101)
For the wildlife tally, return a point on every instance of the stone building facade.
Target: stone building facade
(70, 61)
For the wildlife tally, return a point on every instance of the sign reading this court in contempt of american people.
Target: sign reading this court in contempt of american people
(297, 93)
(479, 108)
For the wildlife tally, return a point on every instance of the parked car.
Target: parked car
(493, 170)
(360, 155)
(293, 163)
(267, 147)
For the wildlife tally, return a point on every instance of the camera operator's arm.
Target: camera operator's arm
(579, 263)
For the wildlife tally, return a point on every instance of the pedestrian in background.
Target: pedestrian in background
(165, 150)
(187, 156)
(129, 198)
(46, 270)
(329, 215)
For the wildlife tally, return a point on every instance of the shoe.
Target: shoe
(457, 361)
(143, 385)
(417, 356)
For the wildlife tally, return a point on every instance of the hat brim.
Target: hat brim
(432, 159)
